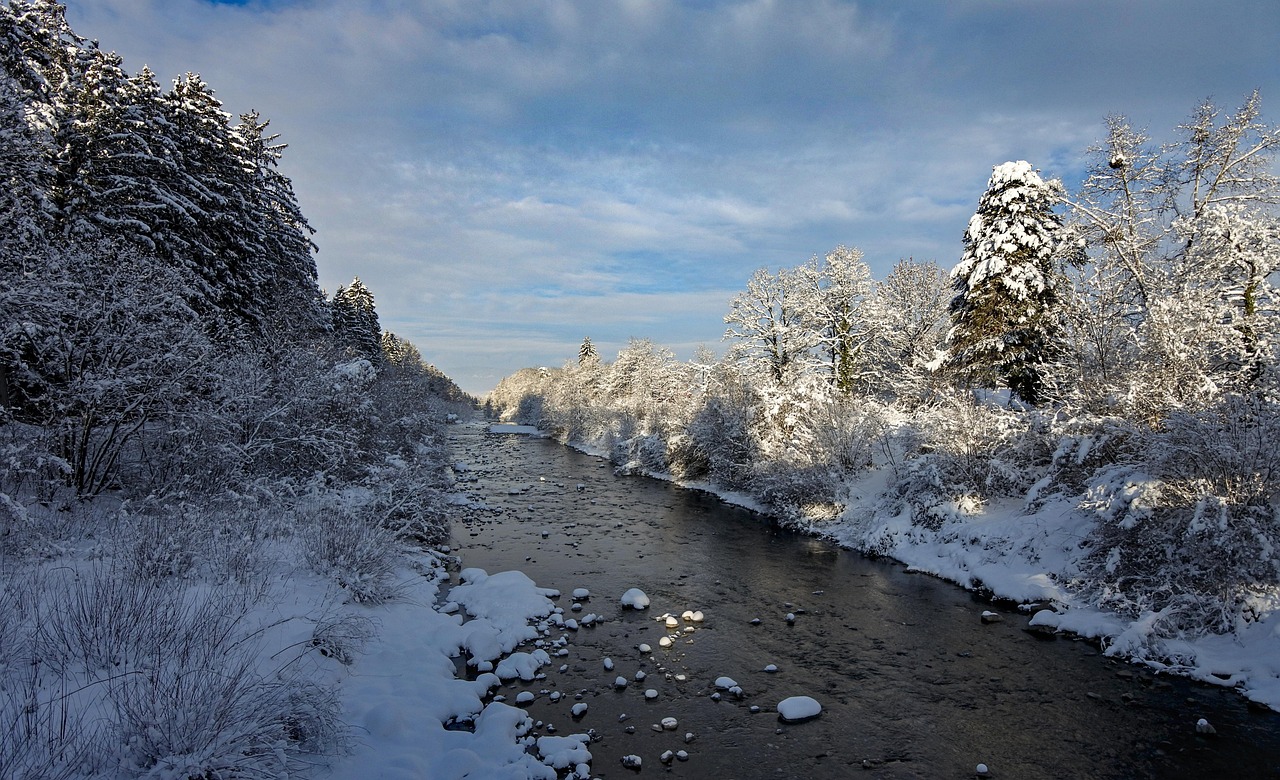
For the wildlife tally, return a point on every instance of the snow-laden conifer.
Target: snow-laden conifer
(1004, 313)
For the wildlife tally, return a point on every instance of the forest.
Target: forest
(181, 409)
(1091, 391)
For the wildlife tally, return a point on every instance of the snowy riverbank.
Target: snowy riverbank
(414, 718)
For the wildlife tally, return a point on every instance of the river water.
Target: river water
(912, 682)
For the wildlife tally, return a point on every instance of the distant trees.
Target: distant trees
(771, 323)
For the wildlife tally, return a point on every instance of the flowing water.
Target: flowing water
(912, 682)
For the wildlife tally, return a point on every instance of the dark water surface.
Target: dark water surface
(912, 683)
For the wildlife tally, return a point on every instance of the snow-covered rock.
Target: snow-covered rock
(798, 708)
(635, 599)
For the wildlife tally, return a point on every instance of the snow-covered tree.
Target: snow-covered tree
(771, 324)
(908, 319)
(1005, 311)
(355, 321)
(587, 352)
(834, 291)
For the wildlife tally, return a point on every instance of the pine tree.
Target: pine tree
(587, 353)
(1005, 310)
(355, 321)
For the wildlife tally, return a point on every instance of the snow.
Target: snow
(400, 694)
(798, 708)
(635, 599)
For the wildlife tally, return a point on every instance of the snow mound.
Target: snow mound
(798, 708)
(635, 599)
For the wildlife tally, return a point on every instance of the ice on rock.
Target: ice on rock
(698, 617)
(667, 757)
(620, 682)
(771, 668)
(682, 755)
(798, 708)
(671, 621)
(725, 683)
(687, 616)
(990, 617)
(578, 710)
(665, 642)
(589, 619)
(670, 724)
(1205, 727)
(571, 624)
(581, 594)
(635, 599)
(632, 761)
(524, 697)
(643, 648)
(651, 694)
(608, 664)
(640, 675)
(982, 770)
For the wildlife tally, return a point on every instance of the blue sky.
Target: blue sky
(508, 177)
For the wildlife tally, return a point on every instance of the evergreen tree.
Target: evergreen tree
(587, 353)
(355, 321)
(1005, 310)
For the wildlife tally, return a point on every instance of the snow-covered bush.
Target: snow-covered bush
(1192, 533)
(358, 554)
(211, 713)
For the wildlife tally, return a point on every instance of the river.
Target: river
(912, 682)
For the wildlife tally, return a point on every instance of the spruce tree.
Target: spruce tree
(587, 352)
(1005, 310)
(355, 321)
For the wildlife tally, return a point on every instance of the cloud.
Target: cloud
(511, 176)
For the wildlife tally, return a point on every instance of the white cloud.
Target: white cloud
(509, 176)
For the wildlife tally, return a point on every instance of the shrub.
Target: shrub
(359, 555)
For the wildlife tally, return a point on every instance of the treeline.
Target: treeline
(163, 332)
(1113, 351)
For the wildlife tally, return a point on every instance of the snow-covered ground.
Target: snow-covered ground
(416, 719)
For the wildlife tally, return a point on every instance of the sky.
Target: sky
(511, 176)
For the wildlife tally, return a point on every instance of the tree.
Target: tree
(1005, 310)
(1191, 221)
(837, 287)
(355, 321)
(908, 318)
(587, 353)
(771, 324)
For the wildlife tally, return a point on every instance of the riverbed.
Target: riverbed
(912, 681)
